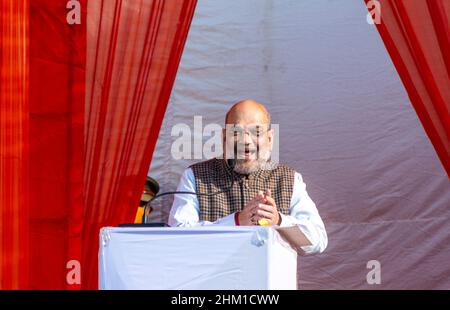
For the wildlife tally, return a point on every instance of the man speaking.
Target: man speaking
(245, 187)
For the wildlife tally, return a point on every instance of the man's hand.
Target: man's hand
(268, 210)
(247, 217)
(262, 206)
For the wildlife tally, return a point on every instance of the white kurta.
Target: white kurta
(185, 212)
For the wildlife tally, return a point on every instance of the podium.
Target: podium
(207, 257)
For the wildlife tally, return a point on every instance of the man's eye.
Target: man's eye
(255, 132)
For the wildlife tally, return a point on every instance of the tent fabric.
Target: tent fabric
(346, 124)
(417, 37)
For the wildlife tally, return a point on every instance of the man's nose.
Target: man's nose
(247, 139)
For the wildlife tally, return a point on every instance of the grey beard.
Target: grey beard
(243, 167)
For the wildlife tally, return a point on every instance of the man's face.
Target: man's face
(249, 140)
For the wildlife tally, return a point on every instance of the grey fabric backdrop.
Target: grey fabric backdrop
(346, 124)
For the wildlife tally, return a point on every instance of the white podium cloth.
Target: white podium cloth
(196, 258)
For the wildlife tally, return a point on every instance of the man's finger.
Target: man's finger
(252, 204)
(256, 217)
(260, 196)
(265, 214)
(270, 201)
(254, 210)
(267, 208)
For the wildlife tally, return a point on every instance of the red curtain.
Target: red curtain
(81, 107)
(134, 48)
(57, 78)
(14, 143)
(416, 34)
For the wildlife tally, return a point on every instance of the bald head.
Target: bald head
(248, 112)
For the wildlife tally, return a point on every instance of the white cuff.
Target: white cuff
(226, 220)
